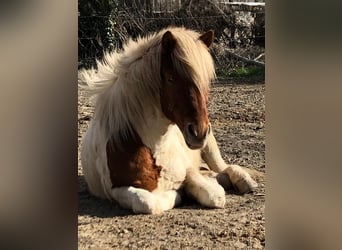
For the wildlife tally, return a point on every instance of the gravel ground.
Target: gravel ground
(237, 114)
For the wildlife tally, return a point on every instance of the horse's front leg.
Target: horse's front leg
(237, 176)
(204, 189)
(141, 201)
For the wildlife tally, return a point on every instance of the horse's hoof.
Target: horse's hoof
(241, 180)
(245, 185)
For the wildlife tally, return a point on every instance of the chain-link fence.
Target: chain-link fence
(239, 28)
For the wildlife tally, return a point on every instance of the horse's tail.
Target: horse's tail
(86, 78)
(95, 80)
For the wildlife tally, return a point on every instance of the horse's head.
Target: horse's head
(186, 72)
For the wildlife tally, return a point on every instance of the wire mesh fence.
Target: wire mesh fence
(239, 28)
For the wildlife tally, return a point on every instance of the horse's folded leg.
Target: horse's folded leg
(168, 199)
(240, 179)
(141, 201)
(205, 190)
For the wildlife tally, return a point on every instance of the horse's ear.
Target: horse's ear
(168, 42)
(208, 38)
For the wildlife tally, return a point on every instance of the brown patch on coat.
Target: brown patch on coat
(132, 164)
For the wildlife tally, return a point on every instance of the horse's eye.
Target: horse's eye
(171, 79)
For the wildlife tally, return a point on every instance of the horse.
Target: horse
(150, 130)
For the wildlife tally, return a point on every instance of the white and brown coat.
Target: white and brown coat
(150, 130)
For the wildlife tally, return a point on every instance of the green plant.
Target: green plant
(96, 25)
(247, 72)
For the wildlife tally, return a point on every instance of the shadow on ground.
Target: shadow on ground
(93, 206)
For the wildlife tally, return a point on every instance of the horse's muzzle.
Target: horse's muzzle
(194, 137)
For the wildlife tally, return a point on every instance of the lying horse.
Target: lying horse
(150, 130)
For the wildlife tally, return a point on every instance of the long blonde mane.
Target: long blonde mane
(128, 81)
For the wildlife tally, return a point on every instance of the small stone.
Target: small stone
(223, 234)
(125, 243)
(239, 245)
(259, 217)
(232, 233)
(213, 237)
(257, 245)
(245, 234)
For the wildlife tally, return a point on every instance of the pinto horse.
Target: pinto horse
(150, 130)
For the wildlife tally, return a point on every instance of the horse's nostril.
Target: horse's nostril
(192, 130)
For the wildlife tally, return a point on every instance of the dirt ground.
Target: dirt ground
(237, 114)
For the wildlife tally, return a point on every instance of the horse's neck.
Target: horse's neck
(155, 126)
(147, 120)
